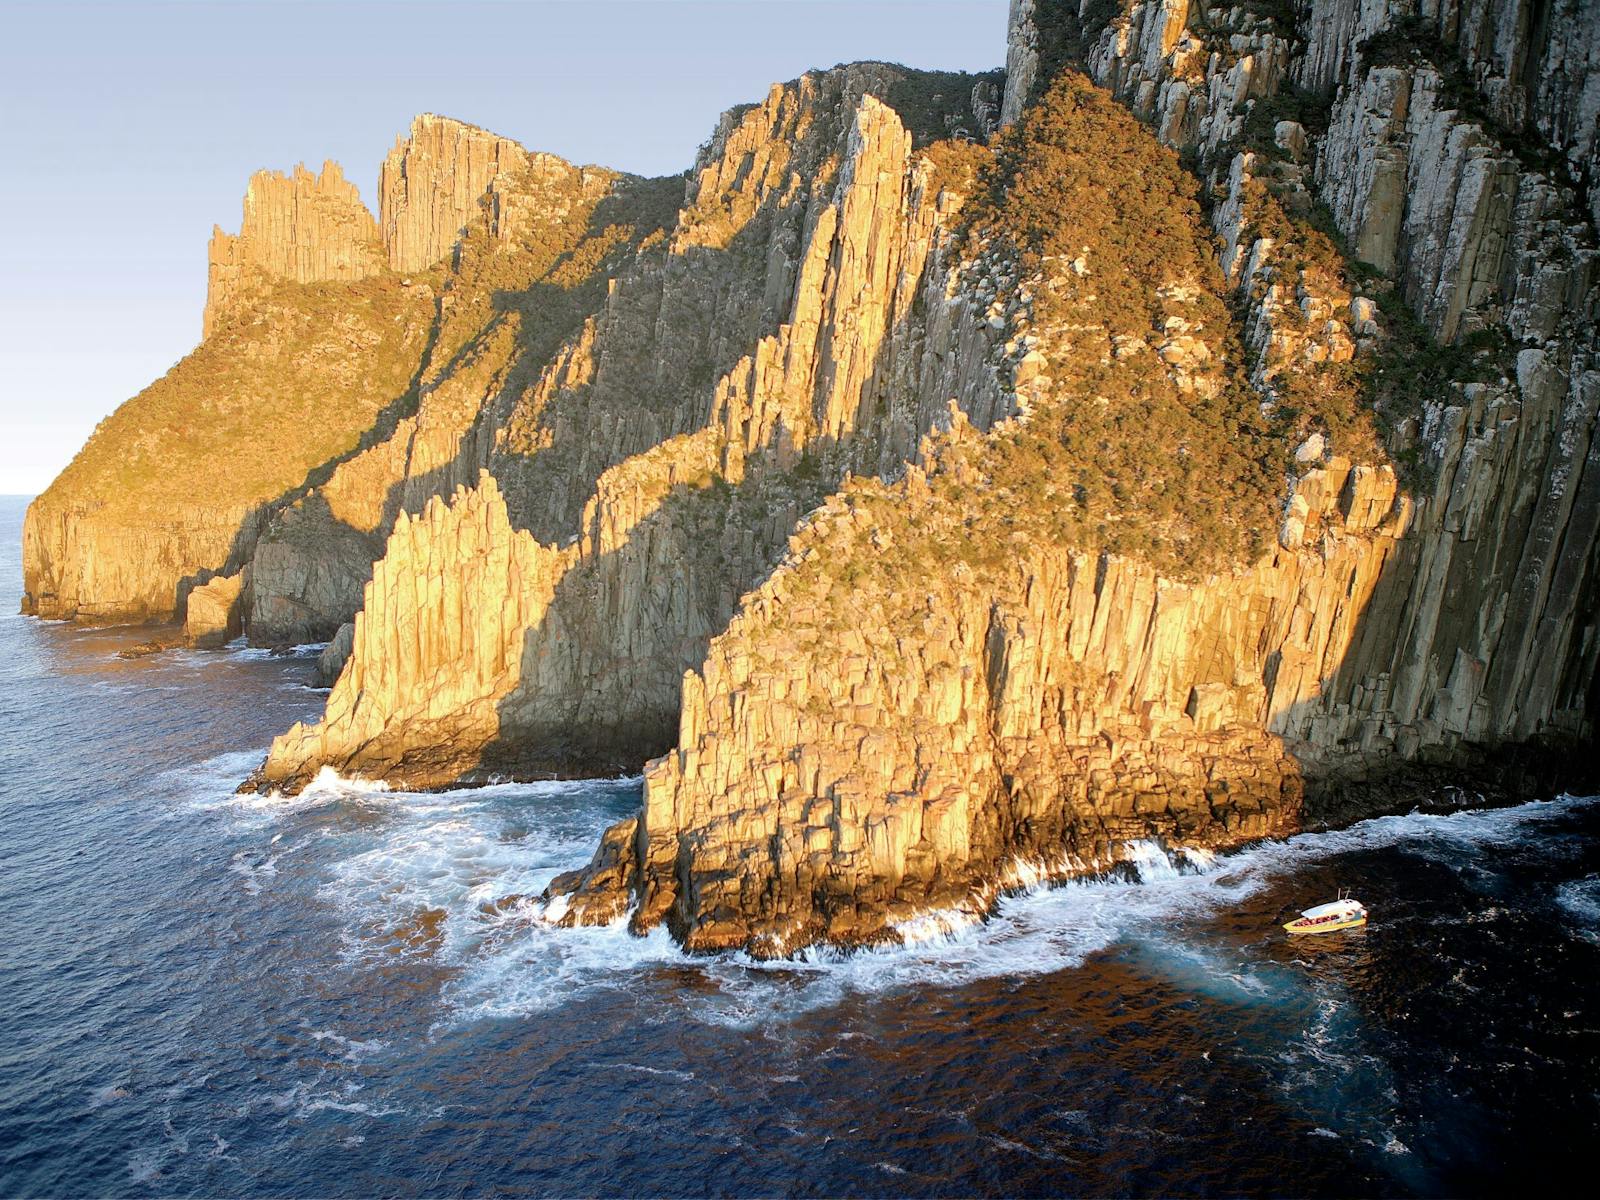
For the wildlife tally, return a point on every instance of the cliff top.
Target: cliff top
(289, 385)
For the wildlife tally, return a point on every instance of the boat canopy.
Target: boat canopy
(1337, 908)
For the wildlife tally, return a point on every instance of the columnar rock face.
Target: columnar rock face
(675, 455)
(535, 238)
(1022, 60)
(1527, 70)
(831, 781)
(524, 251)
(941, 514)
(455, 586)
(302, 227)
(307, 341)
(879, 732)
(1448, 128)
(330, 663)
(945, 737)
(431, 183)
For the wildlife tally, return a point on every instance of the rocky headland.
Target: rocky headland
(1187, 432)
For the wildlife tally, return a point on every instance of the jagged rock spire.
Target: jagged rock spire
(430, 185)
(302, 226)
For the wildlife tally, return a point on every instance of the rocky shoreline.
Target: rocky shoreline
(622, 883)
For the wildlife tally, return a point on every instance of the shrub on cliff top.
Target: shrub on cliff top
(1107, 223)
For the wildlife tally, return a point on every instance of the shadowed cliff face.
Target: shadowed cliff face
(530, 268)
(1018, 708)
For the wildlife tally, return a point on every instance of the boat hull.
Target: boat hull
(1301, 925)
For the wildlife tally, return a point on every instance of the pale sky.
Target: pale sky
(128, 129)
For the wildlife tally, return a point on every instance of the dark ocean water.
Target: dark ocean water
(208, 994)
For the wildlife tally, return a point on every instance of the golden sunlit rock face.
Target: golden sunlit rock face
(652, 469)
(1186, 433)
(944, 687)
(303, 227)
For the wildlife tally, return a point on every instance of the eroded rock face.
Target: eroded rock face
(305, 227)
(879, 732)
(430, 185)
(832, 780)
(747, 481)
(663, 456)
(330, 663)
(340, 392)
(1530, 68)
(429, 642)
(212, 615)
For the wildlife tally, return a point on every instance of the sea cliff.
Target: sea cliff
(1187, 432)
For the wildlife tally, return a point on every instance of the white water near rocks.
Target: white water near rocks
(458, 856)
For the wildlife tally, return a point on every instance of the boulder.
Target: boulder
(212, 615)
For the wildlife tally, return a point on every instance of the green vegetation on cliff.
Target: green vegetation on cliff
(1144, 436)
(1150, 441)
(285, 388)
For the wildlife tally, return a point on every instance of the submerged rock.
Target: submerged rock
(150, 647)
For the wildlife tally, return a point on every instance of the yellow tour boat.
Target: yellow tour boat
(1343, 913)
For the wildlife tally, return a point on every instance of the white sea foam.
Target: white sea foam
(543, 968)
(455, 876)
(1579, 901)
(109, 1094)
(307, 1098)
(641, 1069)
(257, 870)
(460, 854)
(239, 649)
(208, 786)
(352, 1049)
(1042, 930)
(144, 1165)
(328, 784)
(1054, 928)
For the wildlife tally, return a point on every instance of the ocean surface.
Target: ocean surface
(202, 993)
